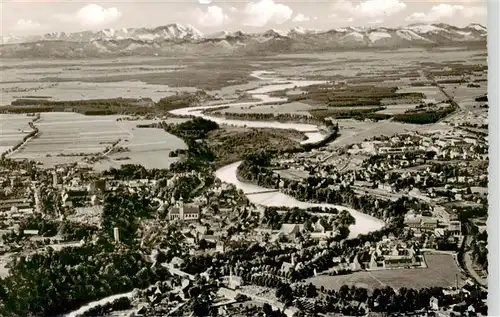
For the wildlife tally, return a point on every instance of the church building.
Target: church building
(184, 212)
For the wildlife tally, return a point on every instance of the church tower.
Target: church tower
(181, 208)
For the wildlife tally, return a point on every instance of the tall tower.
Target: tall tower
(54, 179)
(116, 234)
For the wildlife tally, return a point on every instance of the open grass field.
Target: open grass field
(442, 271)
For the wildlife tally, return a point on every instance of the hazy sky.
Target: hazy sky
(22, 17)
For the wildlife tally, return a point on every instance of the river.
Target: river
(227, 174)
(311, 131)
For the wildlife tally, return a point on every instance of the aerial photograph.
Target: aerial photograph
(243, 158)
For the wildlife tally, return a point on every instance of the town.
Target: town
(202, 246)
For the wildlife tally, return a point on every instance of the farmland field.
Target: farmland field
(441, 271)
(68, 137)
(12, 130)
(397, 109)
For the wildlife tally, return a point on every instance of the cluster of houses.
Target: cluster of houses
(454, 144)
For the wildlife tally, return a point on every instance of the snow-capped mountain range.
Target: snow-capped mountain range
(176, 38)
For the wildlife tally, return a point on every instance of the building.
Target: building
(392, 262)
(98, 186)
(291, 231)
(184, 213)
(220, 247)
(7, 204)
(434, 303)
(116, 234)
(429, 223)
(413, 222)
(454, 228)
(55, 181)
(71, 195)
(419, 222)
(288, 266)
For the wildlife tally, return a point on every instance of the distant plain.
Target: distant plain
(226, 78)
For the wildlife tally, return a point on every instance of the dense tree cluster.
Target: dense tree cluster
(278, 117)
(124, 211)
(351, 113)
(256, 169)
(347, 300)
(352, 96)
(38, 284)
(87, 107)
(197, 128)
(135, 171)
(181, 100)
(479, 249)
(424, 117)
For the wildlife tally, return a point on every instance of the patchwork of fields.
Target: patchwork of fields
(69, 137)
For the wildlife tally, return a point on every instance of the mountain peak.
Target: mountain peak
(476, 26)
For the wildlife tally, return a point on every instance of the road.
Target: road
(36, 193)
(470, 269)
(466, 262)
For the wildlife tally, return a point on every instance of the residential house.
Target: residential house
(288, 266)
(291, 231)
(220, 247)
(176, 262)
(97, 186)
(413, 222)
(434, 303)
